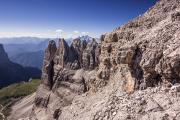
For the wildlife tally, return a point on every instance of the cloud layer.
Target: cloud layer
(57, 33)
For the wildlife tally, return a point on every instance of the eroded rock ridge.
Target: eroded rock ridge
(102, 81)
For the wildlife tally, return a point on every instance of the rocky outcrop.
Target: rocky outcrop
(110, 104)
(90, 55)
(48, 69)
(65, 74)
(132, 74)
(148, 47)
(79, 54)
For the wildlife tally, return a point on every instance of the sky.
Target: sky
(66, 18)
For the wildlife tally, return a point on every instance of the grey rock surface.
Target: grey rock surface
(133, 74)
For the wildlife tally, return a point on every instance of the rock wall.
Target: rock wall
(143, 53)
(148, 46)
(65, 74)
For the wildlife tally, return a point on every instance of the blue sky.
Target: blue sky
(66, 18)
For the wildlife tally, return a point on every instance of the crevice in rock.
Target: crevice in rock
(93, 58)
(175, 77)
(109, 49)
(137, 71)
(158, 79)
(84, 84)
(56, 114)
(153, 80)
(51, 74)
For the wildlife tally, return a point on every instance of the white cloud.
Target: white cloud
(84, 33)
(49, 33)
(59, 31)
(76, 32)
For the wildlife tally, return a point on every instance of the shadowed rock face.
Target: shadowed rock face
(90, 55)
(3, 55)
(48, 68)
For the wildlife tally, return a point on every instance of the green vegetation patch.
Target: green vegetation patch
(9, 95)
(18, 90)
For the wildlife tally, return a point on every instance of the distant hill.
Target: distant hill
(15, 49)
(11, 72)
(29, 59)
(22, 40)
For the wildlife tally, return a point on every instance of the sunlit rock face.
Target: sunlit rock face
(65, 73)
(148, 46)
(93, 80)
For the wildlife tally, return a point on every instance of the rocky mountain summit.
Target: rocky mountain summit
(133, 74)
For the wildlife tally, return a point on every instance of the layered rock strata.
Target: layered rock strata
(65, 74)
(103, 81)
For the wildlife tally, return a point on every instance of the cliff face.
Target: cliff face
(66, 73)
(94, 81)
(79, 55)
(3, 55)
(147, 47)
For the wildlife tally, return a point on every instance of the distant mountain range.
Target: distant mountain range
(15, 49)
(29, 59)
(21, 50)
(22, 40)
(11, 72)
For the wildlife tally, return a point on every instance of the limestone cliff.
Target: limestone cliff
(146, 48)
(105, 81)
(65, 75)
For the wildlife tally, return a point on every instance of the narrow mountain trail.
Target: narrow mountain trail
(1, 114)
